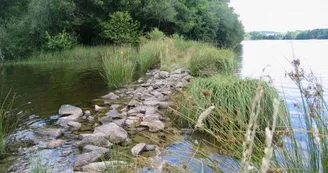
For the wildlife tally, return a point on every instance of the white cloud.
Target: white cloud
(282, 15)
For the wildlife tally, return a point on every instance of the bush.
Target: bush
(156, 34)
(206, 61)
(59, 42)
(121, 29)
(119, 66)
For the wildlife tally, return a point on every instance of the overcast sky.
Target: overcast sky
(282, 15)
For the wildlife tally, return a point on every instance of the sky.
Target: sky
(282, 15)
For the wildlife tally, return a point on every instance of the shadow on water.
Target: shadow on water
(42, 88)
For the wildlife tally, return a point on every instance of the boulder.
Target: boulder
(99, 167)
(111, 96)
(115, 133)
(74, 125)
(164, 74)
(137, 149)
(91, 148)
(95, 139)
(70, 110)
(55, 143)
(153, 125)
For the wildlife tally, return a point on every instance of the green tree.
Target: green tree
(120, 28)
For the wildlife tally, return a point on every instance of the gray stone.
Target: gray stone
(179, 85)
(74, 125)
(153, 103)
(70, 110)
(164, 105)
(106, 119)
(113, 113)
(133, 103)
(63, 121)
(154, 125)
(131, 122)
(115, 106)
(91, 148)
(164, 74)
(119, 122)
(99, 167)
(86, 158)
(23, 138)
(150, 147)
(95, 139)
(111, 96)
(50, 132)
(115, 133)
(55, 143)
(156, 93)
(137, 149)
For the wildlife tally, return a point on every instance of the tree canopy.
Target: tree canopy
(291, 35)
(25, 25)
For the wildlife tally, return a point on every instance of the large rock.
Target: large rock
(153, 125)
(86, 158)
(111, 96)
(99, 167)
(63, 121)
(115, 133)
(74, 125)
(95, 139)
(55, 143)
(137, 149)
(91, 148)
(23, 139)
(50, 132)
(70, 110)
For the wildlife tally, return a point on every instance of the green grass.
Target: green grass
(78, 53)
(149, 55)
(207, 60)
(8, 121)
(119, 66)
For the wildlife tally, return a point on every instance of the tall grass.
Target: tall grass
(149, 55)
(119, 66)
(8, 120)
(78, 53)
(207, 60)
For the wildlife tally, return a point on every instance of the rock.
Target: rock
(137, 149)
(115, 133)
(70, 110)
(63, 121)
(177, 71)
(111, 96)
(154, 125)
(74, 125)
(95, 139)
(106, 119)
(98, 108)
(156, 93)
(113, 113)
(55, 143)
(119, 122)
(50, 132)
(115, 106)
(163, 105)
(150, 147)
(140, 80)
(179, 85)
(91, 119)
(153, 103)
(99, 167)
(86, 158)
(65, 153)
(87, 113)
(133, 103)
(164, 74)
(130, 122)
(23, 138)
(91, 148)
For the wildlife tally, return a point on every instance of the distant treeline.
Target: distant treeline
(292, 35)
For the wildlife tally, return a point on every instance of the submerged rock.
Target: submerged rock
(111, 96)
(55, 143)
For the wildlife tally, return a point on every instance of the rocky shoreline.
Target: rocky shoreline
(80, 141)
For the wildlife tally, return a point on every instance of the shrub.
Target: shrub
(121, 29)
(156, 34)
(119, 66)
(59, 42)
(206, 61)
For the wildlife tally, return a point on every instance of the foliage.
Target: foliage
(149, 55)
(207, 60)
(59, 42)
(121, 29)
(119, 66)
(156, 34)
(24, 23)
(290, 35)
